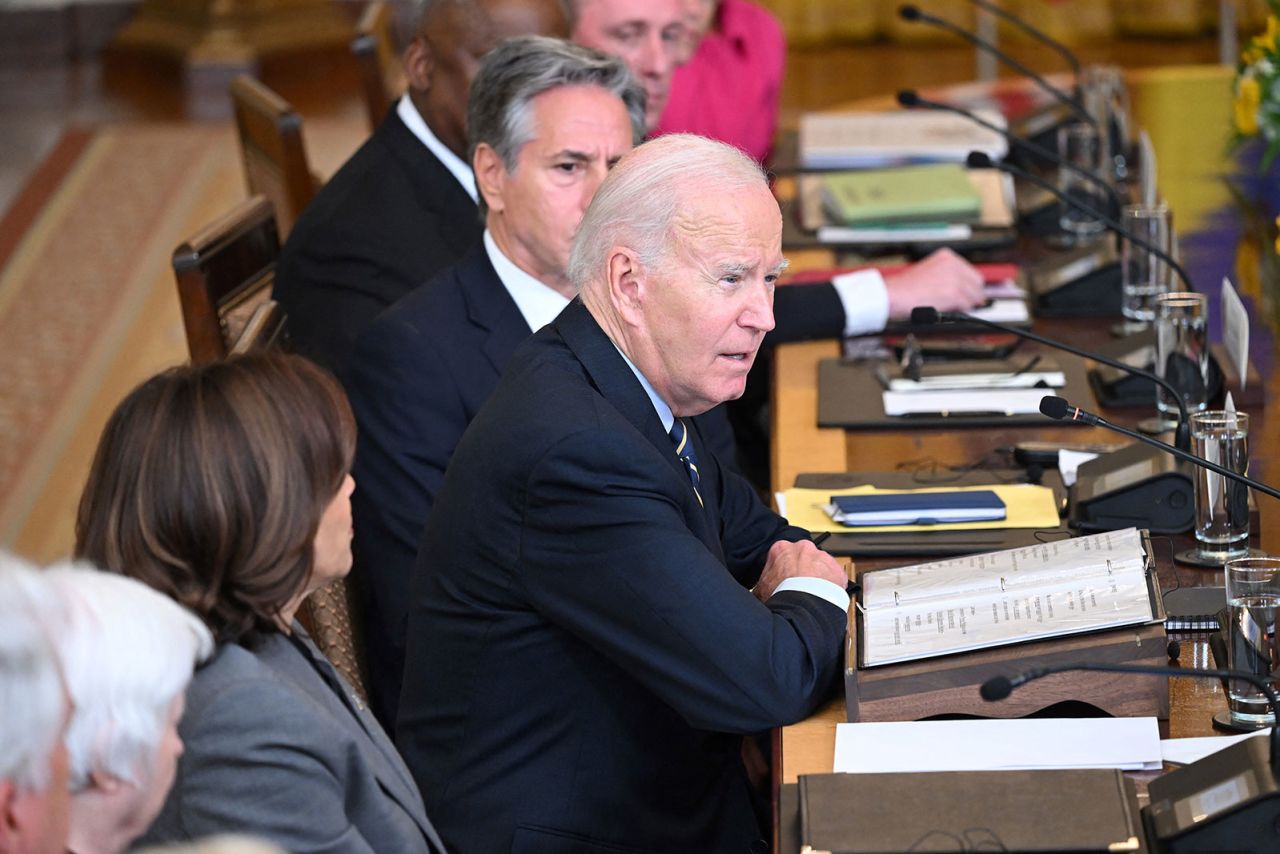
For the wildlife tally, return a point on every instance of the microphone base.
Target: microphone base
(1137, 486)
(1228, 801)
(1084, 282)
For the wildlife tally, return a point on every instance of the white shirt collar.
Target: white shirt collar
(664, 412)
(539, 304)
(413, 120)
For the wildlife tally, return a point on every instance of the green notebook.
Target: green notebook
(940, 192)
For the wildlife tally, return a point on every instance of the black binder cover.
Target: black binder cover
(849, 396)
(1038, 812)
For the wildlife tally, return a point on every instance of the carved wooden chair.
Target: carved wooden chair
(381, 74)
(275, 160)
(225, 273)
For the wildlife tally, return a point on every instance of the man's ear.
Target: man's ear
(419, 63)
(627, 283)
(104, 782)
(491, 176)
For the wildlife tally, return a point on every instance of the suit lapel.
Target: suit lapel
(436, 187)
(300, 660)
(491, 308)
(614, 379)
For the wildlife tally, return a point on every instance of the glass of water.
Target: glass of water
(1182, 352)
(1253, 598)
(1222, 504)
(1080, 144)
(1143, 274)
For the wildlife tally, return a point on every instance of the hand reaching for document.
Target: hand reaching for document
(943, 280)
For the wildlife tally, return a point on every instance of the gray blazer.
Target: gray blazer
(277, 747)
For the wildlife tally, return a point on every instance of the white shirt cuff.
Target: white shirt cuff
(819, 587)
(866, 301)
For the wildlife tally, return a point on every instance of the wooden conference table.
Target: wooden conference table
(1165, 102)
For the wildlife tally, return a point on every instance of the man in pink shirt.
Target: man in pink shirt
(731, 86)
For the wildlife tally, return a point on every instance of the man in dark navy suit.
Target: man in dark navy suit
(548, 119)
(601, 609)
(404, 206)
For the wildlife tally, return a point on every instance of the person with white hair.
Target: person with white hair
(33, 718)
(602, 610)
(127, 654)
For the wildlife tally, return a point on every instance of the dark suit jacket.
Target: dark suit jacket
(416, 378)
(391, 218)
(277, 747)
(583, 644)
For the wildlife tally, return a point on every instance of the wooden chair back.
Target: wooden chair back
(275, 160)
(381, 74)
(224, 273)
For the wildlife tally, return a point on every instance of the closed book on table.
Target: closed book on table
(1037, 812)
(918, 508)
(939, 193)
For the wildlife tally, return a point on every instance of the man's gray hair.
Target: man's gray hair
(32, 702)
(500, 111)
(126, 651)
(639, 203)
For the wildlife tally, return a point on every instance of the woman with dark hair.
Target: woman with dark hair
(226, 486)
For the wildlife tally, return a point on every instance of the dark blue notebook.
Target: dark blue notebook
(918, 508)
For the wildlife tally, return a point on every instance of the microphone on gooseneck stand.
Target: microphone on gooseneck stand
(1226, 801)
(914, 14)
(1037, 34)
(910, 98)
(1059, 410)
(979, 160)
(929, 316)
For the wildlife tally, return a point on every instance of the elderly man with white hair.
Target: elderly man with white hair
(33, 719)
(603, 610)
(127, 653)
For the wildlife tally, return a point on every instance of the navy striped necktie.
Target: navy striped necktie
(684, 450)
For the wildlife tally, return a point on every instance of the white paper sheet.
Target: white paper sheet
(998, 745)
(1184, 751)
(1004, 402)
(1235, 330)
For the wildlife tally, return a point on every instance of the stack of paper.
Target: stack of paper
(861, 139)
(1130, 744)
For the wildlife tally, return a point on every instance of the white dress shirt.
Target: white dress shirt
(865, 298)
(413, 120)
(539, 304)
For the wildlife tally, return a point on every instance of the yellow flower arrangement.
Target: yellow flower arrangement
(1257, 88)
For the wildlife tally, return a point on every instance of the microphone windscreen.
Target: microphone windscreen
(908, 98)
(909, 13)
(1054, 407)
(996, 688)
(978, 160)
(924, 315)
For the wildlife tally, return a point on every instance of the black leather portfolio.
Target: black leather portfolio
(1036, 812)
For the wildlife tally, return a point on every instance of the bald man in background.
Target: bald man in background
(404, 206)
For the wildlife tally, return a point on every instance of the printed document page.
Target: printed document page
(980, 601)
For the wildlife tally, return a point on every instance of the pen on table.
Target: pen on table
(821, 538)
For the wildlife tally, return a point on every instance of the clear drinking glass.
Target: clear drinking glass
(1253, 598)
(1080, 145)
(1222, 504)
(1106, 98)
(1182, 351)
(1143, 274)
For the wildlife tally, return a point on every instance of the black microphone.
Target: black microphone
(910, 98)
(1039, 35)
(1058, 409)
(979, 160)
(929, 316)
(913, 13)
(999, 687)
